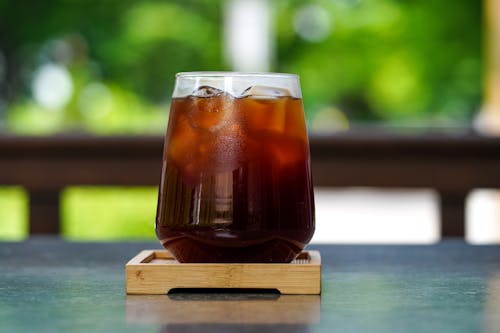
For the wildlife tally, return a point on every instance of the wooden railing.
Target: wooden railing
(452, 165)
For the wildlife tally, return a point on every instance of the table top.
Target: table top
(49, 285)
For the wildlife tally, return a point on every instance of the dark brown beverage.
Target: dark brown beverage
(236, 180)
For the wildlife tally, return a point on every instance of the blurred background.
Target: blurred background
(107, 68)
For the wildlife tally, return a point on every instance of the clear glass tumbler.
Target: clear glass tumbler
(236, 180)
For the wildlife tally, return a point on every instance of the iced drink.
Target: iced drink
(236, 179)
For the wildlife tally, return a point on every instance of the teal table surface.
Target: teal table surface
(50, 285)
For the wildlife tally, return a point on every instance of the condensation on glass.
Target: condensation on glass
(236, 178)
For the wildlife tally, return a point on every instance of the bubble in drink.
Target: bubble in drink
(261, 114)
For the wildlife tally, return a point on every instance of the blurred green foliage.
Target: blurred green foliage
(392, 61)
(13, 213)
(109, 213)
(87, 213)
(130, 49)
(403, 62)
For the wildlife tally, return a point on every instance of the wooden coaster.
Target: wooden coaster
(157, 272)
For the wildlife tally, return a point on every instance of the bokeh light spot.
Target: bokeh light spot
(329, 119)
(312, 23)
(52, 86)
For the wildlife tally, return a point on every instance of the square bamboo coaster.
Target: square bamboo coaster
(157, 272)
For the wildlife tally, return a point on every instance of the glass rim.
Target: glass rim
(221, 74)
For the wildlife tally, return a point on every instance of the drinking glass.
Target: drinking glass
(236, 179)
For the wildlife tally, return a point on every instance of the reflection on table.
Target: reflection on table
(492, 306)
(223, 308)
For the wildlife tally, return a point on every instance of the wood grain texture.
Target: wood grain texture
(157, 272)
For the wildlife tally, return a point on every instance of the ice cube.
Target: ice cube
(286, 151)
(211, 113)
(206, 91)
(267, 114)
(265, 92)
